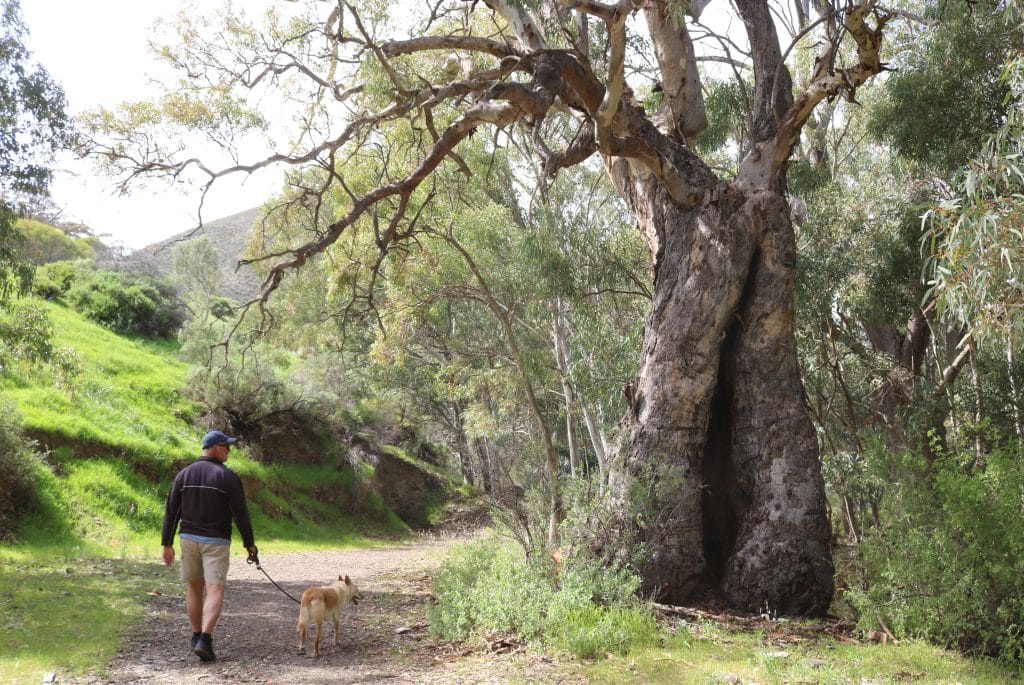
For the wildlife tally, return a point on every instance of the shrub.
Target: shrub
(18, 461)
(127, 303)
(52, 281)
(950, 568)
(237, 386)
(26, 344)
(586, 609)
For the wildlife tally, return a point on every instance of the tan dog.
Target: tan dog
(321, 604)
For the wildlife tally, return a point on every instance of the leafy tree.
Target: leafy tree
(977, 234)
(718, 467)
(959, 64)
(33, 125)
(40, 243)
(197, 274)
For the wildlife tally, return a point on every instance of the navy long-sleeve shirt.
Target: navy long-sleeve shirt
(205, 496)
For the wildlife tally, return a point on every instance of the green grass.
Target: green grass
(126, 403)
(426, 467)
(126, 417)
(710, 654)
(61, 615)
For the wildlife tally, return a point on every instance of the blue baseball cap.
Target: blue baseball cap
(214, 438)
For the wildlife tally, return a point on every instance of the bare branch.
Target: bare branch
(482, 113)
(469, 43)
(524, 25)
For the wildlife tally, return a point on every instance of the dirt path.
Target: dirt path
(384, 638)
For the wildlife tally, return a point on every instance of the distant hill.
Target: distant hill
(228, 236)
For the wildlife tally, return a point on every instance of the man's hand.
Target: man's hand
(168, 556)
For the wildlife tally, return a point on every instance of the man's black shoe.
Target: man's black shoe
(204, 648)
(195, 640)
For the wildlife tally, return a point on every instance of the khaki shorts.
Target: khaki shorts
(201, 561)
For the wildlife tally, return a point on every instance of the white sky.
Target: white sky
(97, 50)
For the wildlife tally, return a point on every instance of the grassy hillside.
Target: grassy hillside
(117, 437)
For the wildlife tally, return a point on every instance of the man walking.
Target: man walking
(205, 496)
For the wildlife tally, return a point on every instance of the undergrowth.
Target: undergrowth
(581, 609)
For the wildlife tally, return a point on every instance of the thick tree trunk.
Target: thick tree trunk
(719, 467)
(781, 559)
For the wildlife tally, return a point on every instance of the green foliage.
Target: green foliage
(127, 303)
(726, 112)
(26, 346)
(53, 280)
(238, 389)
(197, 274)
(948, 566)
(40, 243)
(976, 237)
(947, 97)
(221, 308)
(588, 610)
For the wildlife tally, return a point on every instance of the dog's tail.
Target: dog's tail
(311, 611)
(316, 610)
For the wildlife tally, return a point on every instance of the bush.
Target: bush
(52, 281)
(238, 387)
(18, 461)
(586, 609)
(950, 569)
(26, 344)
(127, 303)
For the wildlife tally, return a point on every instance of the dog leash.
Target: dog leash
(255, 559)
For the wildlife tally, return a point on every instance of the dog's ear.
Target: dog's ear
(340, 578)
(347, 581)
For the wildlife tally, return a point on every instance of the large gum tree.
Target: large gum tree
(717, 470)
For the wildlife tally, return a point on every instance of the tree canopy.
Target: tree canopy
(33, 125)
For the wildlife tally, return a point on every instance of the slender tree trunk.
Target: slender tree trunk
(719, 467)
(462, 444)
(979, 439)
(597, 441)
(560, 340)
(1014, 391)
